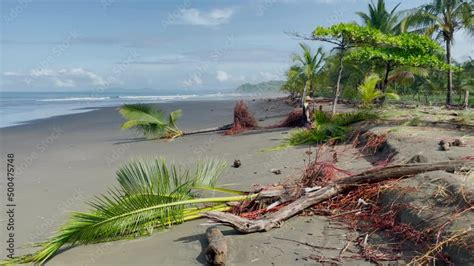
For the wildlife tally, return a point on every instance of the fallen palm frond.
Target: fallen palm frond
(150, 121)
(152, 194)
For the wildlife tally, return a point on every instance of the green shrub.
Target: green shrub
(327, 128)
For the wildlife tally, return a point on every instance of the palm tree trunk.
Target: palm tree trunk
(338, 84)
(384, 84)
(208, 130)
(450, 73)
(305, 118)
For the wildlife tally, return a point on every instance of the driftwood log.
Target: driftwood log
(340, 186)
(216, 252)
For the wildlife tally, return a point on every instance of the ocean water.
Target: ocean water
(20, 107)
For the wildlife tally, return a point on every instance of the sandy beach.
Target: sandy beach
(62, 162)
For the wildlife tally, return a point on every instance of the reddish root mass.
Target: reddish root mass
(294, 119)
(243, 119)
(374, 142)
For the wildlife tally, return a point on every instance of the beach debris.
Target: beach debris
(418, 159)
(150, 121)
(243, 119)
(458, 143)
(236, 164)
(444, 145)
(329, 191)
(373, 142)
(294, 119)
(216, 251)
(276, 171)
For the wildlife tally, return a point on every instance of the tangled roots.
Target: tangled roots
(243, 119)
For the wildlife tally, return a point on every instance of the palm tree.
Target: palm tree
(386, 22)
(369, 93)
(307, 66)
(152, 195)
(295, 81)
(151, 122)
(443, 18)
(379, 18)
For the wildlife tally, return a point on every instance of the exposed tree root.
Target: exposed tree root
(243, 119)
(335, 188)
(294, 119)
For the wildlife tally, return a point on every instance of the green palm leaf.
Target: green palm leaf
(150, 121)
(152, 194)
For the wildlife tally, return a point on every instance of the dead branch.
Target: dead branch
(337, 187)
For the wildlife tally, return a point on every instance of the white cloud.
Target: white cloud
(65, 77)
(222, 76)
(193, 16)
(11, 74)
(193, 80)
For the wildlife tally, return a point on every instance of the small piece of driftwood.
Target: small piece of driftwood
(340, 186)
(216, 252)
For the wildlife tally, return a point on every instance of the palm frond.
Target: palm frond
(367, 90)
(150, 121)
(392, 95)
(173, 117)
(152, 195)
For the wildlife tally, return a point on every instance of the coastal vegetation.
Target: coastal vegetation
(401, 46)
(369, 93)
(327, 127)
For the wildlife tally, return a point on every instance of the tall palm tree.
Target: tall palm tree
(307, 66)
(386, 22)
(379, 18)
(443, 18)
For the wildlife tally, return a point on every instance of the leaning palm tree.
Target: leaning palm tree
(307, 66)
(151, 122)
(380, 18)
(151, 195)
(442, 18)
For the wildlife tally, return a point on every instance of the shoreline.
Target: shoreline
(62, 162)
(58, 107)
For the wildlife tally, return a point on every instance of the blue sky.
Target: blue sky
(165, 45)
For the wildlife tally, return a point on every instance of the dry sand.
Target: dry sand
(62, 162)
